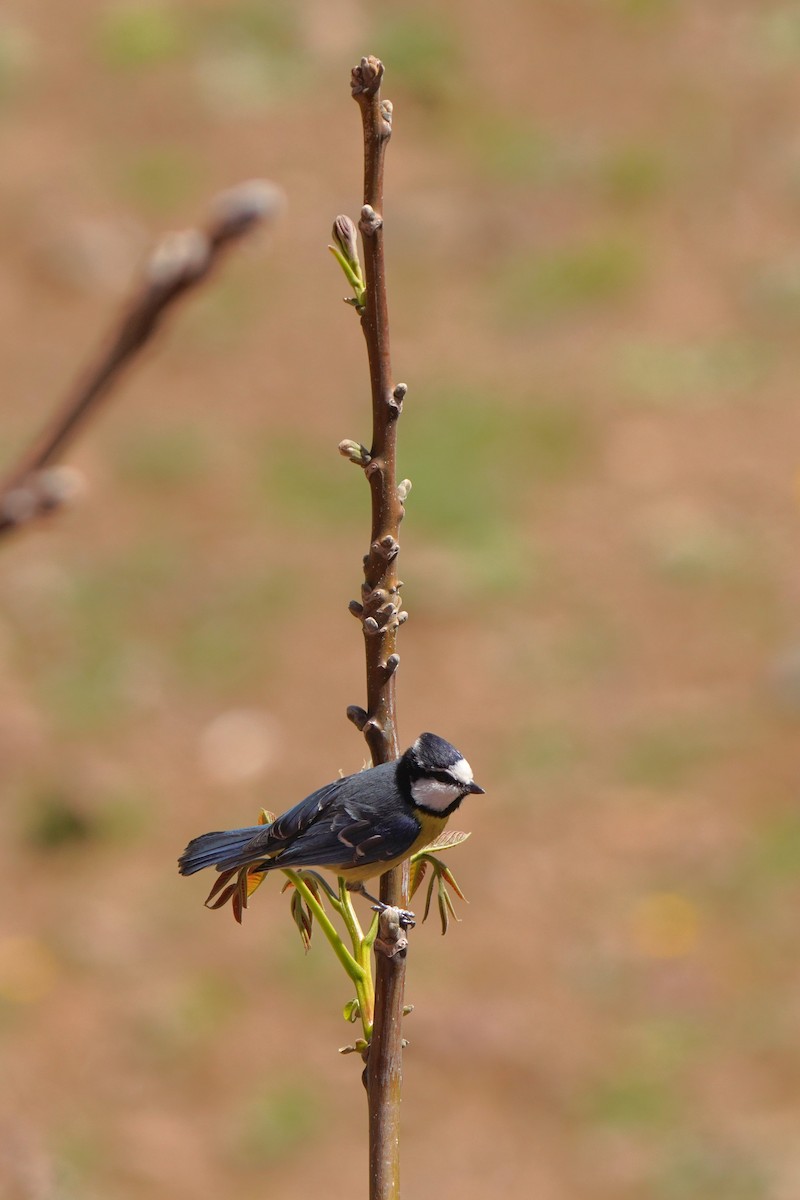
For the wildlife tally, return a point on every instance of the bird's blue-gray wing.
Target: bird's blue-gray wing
(349, 835)
(351, 822)
(287, 828)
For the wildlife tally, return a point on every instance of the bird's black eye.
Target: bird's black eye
(445, 777)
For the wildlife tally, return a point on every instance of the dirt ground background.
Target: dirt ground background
(593, 226)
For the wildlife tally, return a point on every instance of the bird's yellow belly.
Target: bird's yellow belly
(431, 827)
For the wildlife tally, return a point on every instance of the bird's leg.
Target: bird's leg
(407, 919)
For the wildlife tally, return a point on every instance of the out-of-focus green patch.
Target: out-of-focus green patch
(458, 452)
(17, 52)
(500, 563)
(606, 978)
(665, 1045)
(209, 1002)
(632, 1099)
(80, 1153)
(773, 291)
(771, 858)
(273, 29)
(86, 680)
(161, 459)
(688, 373)
(309, 978)
(774, 31)
(81, 686)
(695, 1170)
(467, 458)
(777, 849)
(55, 820)
(199, 1013)
(129, 35)
(146, 570)
(666, 755)
(224, 314)
(318, 487)
(158, 179)
(546, 752)
(235, 82)
(565, 280)
(632, 176)
(508, 148)
(105, 597)
(251, 55)
(467, 455)
(276, 1124)
(124, 815)
(590, 647)
(423, 52)
(213, 648)
(691, 547)
(644, 10)
(555, 443)
(84, 691)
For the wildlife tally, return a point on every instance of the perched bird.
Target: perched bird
(358, 827)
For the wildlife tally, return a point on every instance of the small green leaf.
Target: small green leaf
(428, 899)
(354, 277)
(449, 877)
(442, 899)
(450, 837)
(446, 909)
(442, 875)
(312, 882)
(318, 885)
(419, 866)
(351, 1011)
(302, 919)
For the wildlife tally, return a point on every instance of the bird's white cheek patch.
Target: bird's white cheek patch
(433, 794)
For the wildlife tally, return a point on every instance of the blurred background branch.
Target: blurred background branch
(35, 486)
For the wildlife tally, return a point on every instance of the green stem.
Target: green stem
(353, 968)
(350, 917)
(362, 947)
(353, 278)
(357, 965)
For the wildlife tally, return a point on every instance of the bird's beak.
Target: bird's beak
(474, 790)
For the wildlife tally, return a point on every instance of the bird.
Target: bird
(358, 826)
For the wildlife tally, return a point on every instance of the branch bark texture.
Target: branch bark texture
(179, 263)
(381, 615)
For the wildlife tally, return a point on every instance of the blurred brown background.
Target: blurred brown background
(593, 227)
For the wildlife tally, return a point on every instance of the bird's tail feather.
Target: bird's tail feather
(221, 850)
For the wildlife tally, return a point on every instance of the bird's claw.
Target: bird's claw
(405, 919)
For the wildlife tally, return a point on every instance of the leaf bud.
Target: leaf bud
(345, 236)
(355, 452)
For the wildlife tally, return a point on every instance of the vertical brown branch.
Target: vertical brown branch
(381, 616)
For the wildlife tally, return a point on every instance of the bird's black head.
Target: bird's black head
(438, 775)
